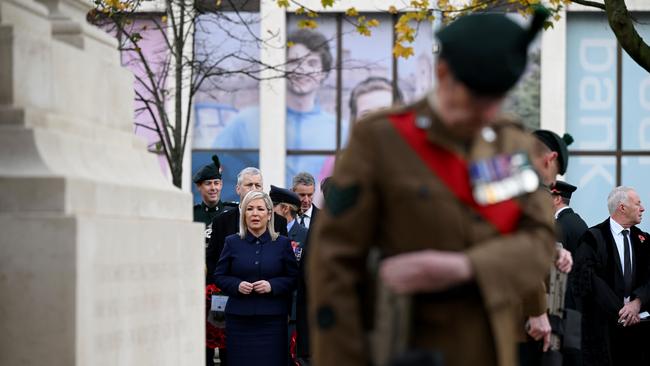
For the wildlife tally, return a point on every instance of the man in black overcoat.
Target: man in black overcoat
(570, 228)
(613, 264)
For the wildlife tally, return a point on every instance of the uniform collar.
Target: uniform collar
(252, 238)
(438, 132)
(205, 207)
(558, 212)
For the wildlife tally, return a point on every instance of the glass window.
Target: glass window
(362, 80)
(367, 64)
(591, 82)
(636, 98)
(416, 72)
(226, 105)
(636, 173)
(595, 177)
(311, 86)
(612, 133)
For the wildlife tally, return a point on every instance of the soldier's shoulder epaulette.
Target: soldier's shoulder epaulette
(384, 114)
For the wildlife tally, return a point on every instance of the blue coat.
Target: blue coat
(252, 259)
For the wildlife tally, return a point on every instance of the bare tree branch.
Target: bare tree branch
(592, 4)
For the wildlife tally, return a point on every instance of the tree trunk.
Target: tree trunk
(179, 45)
(621, 23)
(177, 172)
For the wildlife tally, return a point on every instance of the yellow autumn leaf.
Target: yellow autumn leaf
(163, 18)
(283, 3)
(363, 30)
(373, 23)
(301, 10)
(401, 51)
(307, 23)
(352, 12)
(290, 44)
(312, 14)
(392, 9)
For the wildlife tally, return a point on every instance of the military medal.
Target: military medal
(502, 177)
(297, 249)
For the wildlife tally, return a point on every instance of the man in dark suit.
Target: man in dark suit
(613, 261)
(570, 228)
(249, 179)
(570, 225)
(304, 185)
(287, 204)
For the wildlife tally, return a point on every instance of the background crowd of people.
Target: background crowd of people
(467, 216)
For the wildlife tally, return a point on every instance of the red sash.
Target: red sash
(452, 171)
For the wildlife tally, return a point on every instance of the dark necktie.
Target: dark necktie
(302, 221)
(627, 264)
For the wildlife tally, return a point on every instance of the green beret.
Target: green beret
(207, 172)
(281, 195)
(563, 189)
(557, 144)
(488, 52)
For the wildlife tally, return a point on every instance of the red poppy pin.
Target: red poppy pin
(641, 238)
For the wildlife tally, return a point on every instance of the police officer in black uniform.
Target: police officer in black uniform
(570, 228)
(569, 224)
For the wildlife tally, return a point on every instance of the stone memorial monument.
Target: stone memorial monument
(100, 263)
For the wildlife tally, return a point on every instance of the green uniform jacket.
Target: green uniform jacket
(396, 203)
(205, 214)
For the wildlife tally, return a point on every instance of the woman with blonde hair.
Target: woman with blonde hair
(257, 270)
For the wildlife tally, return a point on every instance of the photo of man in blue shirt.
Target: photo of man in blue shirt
(309, 127)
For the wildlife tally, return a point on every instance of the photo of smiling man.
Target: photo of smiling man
(309, 127)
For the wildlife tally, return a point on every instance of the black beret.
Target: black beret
(563, 189)
(210, 171)
(281, 195)
(557, 144)
(488, 52)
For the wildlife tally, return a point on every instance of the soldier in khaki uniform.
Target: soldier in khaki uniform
(444, 189)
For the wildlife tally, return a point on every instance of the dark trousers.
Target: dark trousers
(628, 344)
(530, 353)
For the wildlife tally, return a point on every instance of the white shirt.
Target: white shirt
(618, 239)
(307, 216)
(290, 225)
(557, 213)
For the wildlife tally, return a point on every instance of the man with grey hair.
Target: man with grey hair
(304, 185)
(613, 264)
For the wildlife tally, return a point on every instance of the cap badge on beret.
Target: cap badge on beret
(209, 171)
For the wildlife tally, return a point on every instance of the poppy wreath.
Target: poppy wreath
(215, 337)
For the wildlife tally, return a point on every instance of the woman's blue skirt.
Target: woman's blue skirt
(257, 340)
